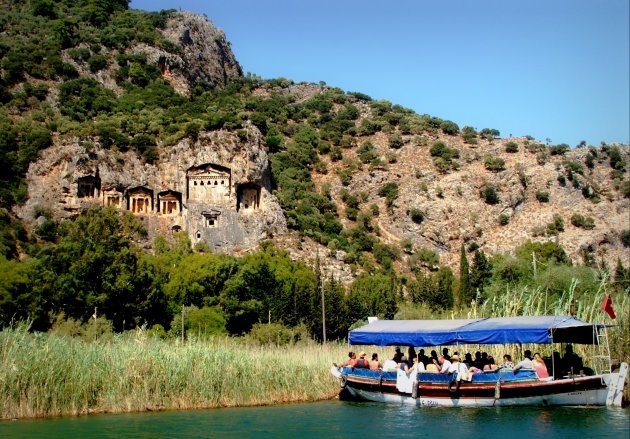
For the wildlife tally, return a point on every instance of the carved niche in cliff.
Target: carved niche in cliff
(89, 186)
(140, 200)
(208, 183)
(211, 218)
(112, 198)
(247, 197)
(169, 202)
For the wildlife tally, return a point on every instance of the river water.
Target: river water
(336, 419)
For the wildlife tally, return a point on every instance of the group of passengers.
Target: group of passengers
(445, 363)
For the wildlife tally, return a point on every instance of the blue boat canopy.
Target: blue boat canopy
(499, 330)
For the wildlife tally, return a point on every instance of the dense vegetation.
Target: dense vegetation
(70, 271)
(95, 280)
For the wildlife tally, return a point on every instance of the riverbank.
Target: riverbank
(44, 375)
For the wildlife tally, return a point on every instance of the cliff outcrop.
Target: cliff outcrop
(217, 188)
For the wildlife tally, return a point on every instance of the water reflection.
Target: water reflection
(336, 419)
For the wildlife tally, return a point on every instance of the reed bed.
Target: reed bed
(51, 375)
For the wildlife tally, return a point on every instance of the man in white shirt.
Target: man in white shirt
(527, 362)
(444, 364)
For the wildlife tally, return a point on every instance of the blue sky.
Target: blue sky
(557, 69)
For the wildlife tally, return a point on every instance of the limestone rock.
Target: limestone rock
(217, 189)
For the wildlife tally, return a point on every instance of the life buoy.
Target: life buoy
(343, 380)
(453, 385)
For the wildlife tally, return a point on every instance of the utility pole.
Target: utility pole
(323, 312)
(183, 323)
(534, 263)
(95, 322)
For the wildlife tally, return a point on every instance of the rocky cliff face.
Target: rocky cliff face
(217, 188)
(206, 53)
(200, 53)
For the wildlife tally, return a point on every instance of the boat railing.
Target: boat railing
(503, 375)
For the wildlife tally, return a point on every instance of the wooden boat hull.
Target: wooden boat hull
(434, 390)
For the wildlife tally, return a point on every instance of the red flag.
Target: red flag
(607, 306)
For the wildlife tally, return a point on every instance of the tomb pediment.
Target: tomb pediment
(212, 213)
(208, 173)
(140, 191)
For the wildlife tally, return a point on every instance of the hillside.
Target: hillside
(364, 183)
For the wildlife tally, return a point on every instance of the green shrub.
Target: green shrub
(504, 219)
(572, 166)
(494, 164)
(511, 147)
(97, 63)
(449, 127)
(390, 192)
(625, 237)
(417, 216)
(556, 226)
(369, 127)
(542, 196)
(562, 181)
(489, 194)
(367, 152)
(427, 257)
(582, 222)
(384, 253)
(616, 160)
(560, 149)
(396, 141)
(489, 134)
(438, 149)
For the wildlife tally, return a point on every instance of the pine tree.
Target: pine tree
(480, 274)
(464, 295)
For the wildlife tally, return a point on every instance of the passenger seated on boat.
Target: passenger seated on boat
(446, 355)
(444, 364)
(397, 355)
(491, 364)
(477, 362)
(525, 363)
(411, 354)
(433, 366)
(374, 363)
(352, 358)
(403, 363)
(507, 362)
(557, 365)
(458, 367)
(362, 363)
(423, 358)
(539, 365)
(390, 366)
(468, 359)
(571, 361)
(418, 366)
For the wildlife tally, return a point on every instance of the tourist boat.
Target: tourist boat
(489, 388)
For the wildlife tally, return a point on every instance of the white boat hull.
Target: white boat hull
(601, 390)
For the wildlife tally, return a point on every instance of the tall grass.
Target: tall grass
(50, 375)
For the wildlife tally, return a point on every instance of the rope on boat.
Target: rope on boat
(453, 385)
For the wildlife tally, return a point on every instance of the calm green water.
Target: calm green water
(337, 419)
